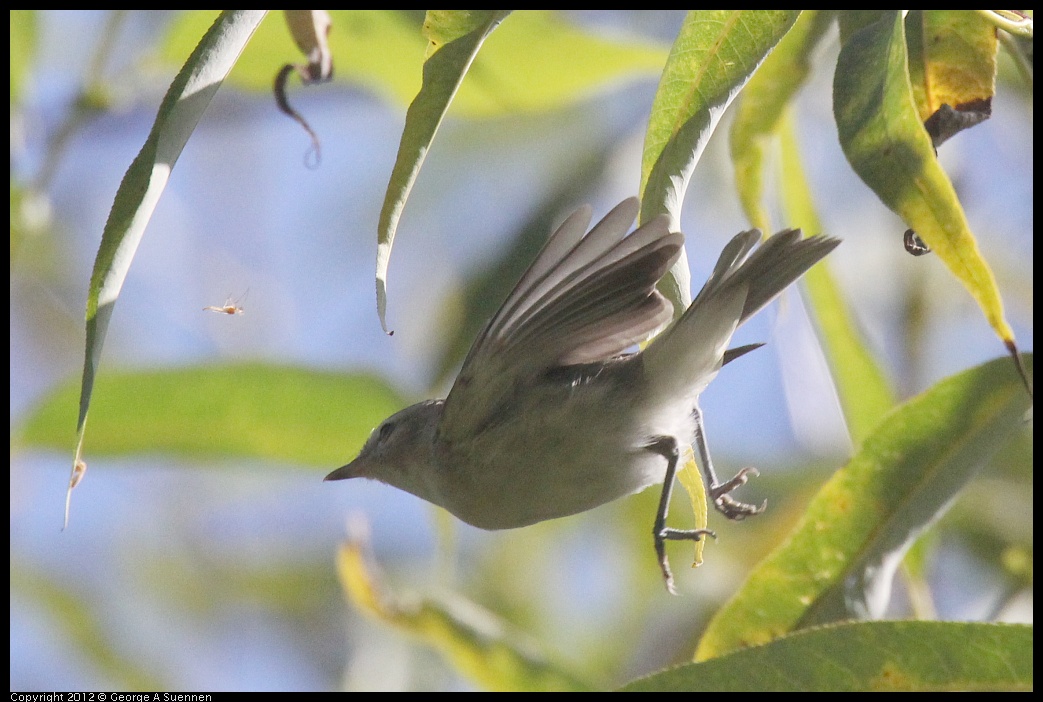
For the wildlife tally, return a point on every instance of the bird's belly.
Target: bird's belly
(521, 478)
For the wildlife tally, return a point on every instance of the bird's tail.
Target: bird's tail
(688, 354)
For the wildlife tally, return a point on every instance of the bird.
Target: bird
(553, 413)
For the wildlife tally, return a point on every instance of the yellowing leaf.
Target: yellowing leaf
(480, 645)
(885, 142)
(952, 69)
(762, 104)
(952, 58)
(693, 485)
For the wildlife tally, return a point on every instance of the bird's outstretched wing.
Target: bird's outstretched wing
(586, 297)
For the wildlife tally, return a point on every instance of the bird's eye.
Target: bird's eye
(385, 431)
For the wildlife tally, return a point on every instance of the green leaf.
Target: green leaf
(444, 70)
(713, 56)
(23, 50)
(540, 61)
(444, 26)
(762, 104)
(887, 145)
(862, 385)
(480, 645)
(867, 656)
(252, 410)
(838, 561)
(145, 180)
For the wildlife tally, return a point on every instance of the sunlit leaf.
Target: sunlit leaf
(538, 61)
(378, 49)
(838, 561)
(759, 121)
(864, 657)
(713, 56)
(1017, 22)
(444, 70)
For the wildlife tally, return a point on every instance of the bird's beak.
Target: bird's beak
(344, 472)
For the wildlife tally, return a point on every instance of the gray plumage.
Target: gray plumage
(546, 418)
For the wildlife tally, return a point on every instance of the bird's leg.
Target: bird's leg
(725, 504)
(666, 446)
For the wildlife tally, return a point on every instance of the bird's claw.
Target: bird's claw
(675, 535)
(730, 507)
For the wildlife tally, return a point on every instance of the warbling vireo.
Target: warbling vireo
(549, 417)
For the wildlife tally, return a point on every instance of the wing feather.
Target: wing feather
(585, 298)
